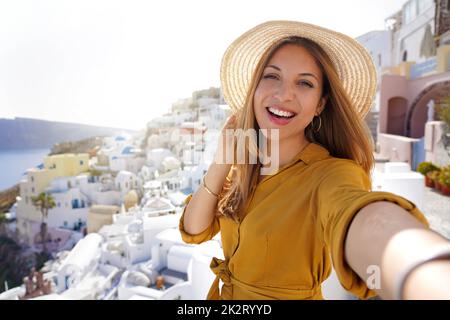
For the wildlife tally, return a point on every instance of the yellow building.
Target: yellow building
(56, 166)
(66, 165)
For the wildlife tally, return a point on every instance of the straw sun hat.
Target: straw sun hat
(352, 62)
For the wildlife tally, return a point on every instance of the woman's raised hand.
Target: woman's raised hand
(224, 144)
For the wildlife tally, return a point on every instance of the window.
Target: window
(409, 11)
(379, 60)
(59, 204)
(423, 5)
(81, 162)
(32, 189)
(32, 179)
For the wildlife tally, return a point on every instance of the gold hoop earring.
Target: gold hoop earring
(320, 124)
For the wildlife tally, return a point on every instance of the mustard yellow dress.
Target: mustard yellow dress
(293, 230)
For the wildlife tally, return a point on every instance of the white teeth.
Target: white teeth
(281, 113)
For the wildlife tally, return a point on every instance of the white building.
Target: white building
(147, 173)
(117, 141)
(83, 258)
(378, 44)
(409, 30)
(129, 158)
(169, 120)
(155, 157)
(126, 181)
(128, 240)
(214, 115)
(118, 154)
(184, 268)
(170, 181)
(192, 176)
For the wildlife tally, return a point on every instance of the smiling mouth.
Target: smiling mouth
(280, 114)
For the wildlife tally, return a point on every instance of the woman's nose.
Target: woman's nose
(284, 92)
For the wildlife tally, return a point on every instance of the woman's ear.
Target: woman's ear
(321, 106)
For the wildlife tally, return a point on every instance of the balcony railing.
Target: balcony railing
(427, 67)
(434, 65)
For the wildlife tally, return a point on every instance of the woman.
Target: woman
(282, 232)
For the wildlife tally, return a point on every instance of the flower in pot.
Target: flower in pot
(433, 176)
(424, 168)
(444, 180)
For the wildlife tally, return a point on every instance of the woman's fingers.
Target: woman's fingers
(230, 122)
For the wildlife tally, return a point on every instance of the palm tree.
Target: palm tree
(3, 222)
(43, 202)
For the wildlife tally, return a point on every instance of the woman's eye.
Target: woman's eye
(270, 76)
(276, 77)
(306, 83)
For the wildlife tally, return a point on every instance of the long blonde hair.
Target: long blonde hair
(343, 133)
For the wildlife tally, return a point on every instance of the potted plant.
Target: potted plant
(444, 180)
(424, 168)
(443, 111)
(433, 176)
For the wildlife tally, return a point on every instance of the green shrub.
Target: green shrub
(444, 176)
(433, 175)
(425, 167)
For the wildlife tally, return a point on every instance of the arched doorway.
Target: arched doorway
(417, 115)
(397, 108)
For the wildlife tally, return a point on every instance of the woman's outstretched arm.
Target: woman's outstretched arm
(385, 237)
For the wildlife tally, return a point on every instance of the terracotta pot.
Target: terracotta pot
(428, 182)
(445, 190)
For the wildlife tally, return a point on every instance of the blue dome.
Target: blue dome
(127, 150)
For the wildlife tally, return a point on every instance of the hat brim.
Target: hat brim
(351, 60)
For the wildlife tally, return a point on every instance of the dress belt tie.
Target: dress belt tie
(220, 269)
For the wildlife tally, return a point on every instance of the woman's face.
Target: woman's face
(288, 95)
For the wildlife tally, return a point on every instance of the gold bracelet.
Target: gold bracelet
(207, 189)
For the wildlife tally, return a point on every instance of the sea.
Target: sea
(15, 162)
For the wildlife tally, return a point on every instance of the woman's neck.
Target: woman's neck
(288, 149)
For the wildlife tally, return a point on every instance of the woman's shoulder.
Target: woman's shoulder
(318, 156)
(336, 169)
(333, 163)
(330, 162)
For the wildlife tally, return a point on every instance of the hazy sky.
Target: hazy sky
(120, 63)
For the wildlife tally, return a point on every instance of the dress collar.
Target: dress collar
(311, 153)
